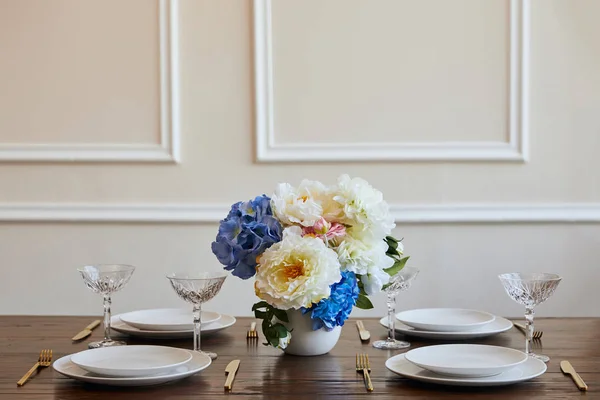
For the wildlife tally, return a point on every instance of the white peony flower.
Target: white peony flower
(284, 342)
(374, 281)
(364, 208)
(367, 259)
(300, 205)
(297, 271)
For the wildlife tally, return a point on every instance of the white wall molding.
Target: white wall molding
(167, 150)
(213, 213)
(516, 149)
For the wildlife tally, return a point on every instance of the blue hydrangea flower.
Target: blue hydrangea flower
(334, 310)
(248, 230)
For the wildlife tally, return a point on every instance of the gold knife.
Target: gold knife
(363, 333)
(87, 331)
(230, 370)
(568, 369)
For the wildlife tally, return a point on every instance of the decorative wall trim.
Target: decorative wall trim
(213, 213)
(165, 151)
(516, 149)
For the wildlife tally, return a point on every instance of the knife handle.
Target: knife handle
(229, 380)
(581, 385)
(93, 324)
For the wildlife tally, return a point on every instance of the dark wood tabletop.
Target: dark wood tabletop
(266, 373)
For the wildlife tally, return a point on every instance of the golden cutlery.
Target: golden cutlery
(568, 369)
(362, 332)
(363, 365)
(230, 370)
(252, 334)
(87, 331)
(44, 360)
(536, 334)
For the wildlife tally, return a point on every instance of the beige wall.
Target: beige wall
(127, 128)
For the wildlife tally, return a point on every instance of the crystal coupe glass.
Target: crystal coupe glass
(399, 282)
(530, 289)
(197, 288)
(106, 279)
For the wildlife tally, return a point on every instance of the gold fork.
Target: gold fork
(537, 335)
(44, 360)
(252, 334)
(363, 365)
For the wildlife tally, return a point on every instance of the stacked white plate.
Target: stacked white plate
(466, 365)
(168, 323)
(132, 365)
(448, 323)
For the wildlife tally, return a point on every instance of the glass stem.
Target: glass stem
(391, 306)
(197, 326)
(529, 314)
(107, 303)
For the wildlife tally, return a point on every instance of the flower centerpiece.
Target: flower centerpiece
(315, 252)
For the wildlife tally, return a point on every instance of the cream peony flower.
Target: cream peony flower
(297, 271)
(364, 208)
(367, 259)
(298, 206)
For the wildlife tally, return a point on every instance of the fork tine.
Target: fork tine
(367, 364)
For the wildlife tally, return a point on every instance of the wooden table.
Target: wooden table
(265, 373)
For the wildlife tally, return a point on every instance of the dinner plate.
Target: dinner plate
(131, 361)
(445, 319)
(198, 362)
(466, 360)
(523, 372)
(119, 326)
(166, 319)
(498, 325)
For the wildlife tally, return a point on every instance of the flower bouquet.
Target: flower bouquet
(320, 250)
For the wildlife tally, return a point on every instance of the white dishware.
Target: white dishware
(166, 319)
(222, 323)
(497, 326)
(198, 362)
(466, 360)
(131, 361)
(523, 372)
(445, 319)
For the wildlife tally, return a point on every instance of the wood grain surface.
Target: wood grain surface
(265, 373)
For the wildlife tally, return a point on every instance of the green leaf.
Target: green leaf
(281, 330)
(260, 304)
(391, 239)
(273, 339)
(265, 326)
(363, 302)
(281, 315)
(398, 265)
(260, 314)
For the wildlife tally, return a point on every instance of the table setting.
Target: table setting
(314, 253)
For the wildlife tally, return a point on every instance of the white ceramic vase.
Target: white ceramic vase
(305, 341)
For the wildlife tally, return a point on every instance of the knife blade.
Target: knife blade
(230, 370)
(567, 368)
(87, 331)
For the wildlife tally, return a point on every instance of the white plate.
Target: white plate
(498, 325)
(466, 360)
(130, 361)
(445, 319)
(166, 319)
(528, 370)
(198, 362)
(119, 326)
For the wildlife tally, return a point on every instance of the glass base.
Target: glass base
(540, 357)
(390, 344)
(106, 343)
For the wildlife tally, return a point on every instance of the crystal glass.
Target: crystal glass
(530, 290)
(399, 282)
(106, 279)
(197, 288)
